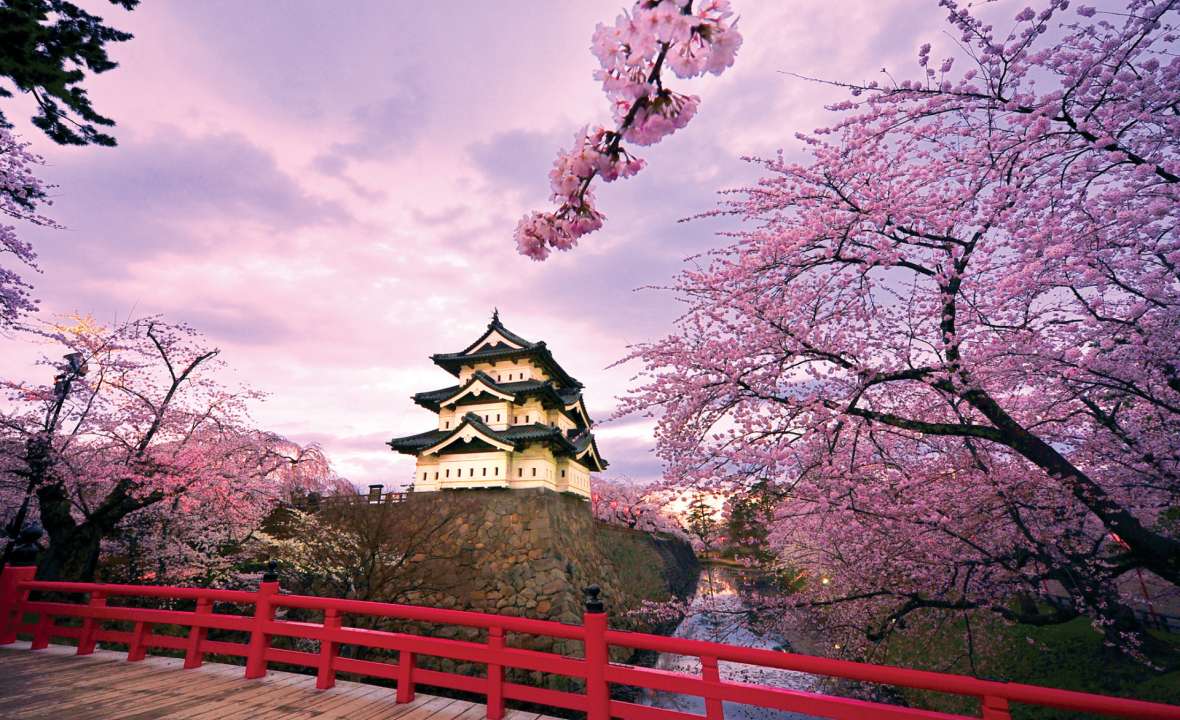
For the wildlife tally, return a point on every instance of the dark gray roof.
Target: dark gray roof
(496, 326)
(453, 362)
(414, 443)
(432, 399)
(516, 435)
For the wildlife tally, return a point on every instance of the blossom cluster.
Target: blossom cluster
(20, 192)
(632, 54)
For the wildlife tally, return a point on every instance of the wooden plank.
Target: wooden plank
(55, 684)
(422, 711)
(109, 685)
(118, 695)
(246, 699)
(385, 701)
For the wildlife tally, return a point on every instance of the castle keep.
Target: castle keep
(516, 419)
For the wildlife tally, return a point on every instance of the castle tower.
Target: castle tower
(515, 420)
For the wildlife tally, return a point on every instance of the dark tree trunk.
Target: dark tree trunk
(74, 547)
(72, 555)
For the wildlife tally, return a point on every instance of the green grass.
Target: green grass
(1070, 656)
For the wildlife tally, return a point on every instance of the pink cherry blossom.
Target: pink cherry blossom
(632, 53)
(947, 338)
(152, 459)
(20, 193)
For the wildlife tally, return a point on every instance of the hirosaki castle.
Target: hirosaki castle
(515, 420)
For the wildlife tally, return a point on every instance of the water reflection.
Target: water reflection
(719, 615)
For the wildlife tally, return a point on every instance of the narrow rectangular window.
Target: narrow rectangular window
(436, 474)
(534, 472)
(423, 476)
(485, 472)
(471, 472)
(497, 417)
(448, 472)
(447, 426)
(519, 472)
(496, 471)
(563, 473)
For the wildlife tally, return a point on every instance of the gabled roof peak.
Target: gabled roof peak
(508, 339)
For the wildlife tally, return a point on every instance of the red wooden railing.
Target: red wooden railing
(594, 667)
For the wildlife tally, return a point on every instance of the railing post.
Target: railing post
(139, 641)
(714, 709)
(597, 656)
(41, 634)
(264, 612)
(495, 675)
(193, 656)
(995, 708)
(90, 625)
(326, 675)
(405, 676)
(12, 600)
(21, 567)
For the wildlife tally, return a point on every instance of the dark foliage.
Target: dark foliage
(46, 49)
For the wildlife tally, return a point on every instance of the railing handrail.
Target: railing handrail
(424, 613)
(594, 667)
(161, 591)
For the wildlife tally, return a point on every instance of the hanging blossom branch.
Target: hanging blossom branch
(655, 35)
(20, 193)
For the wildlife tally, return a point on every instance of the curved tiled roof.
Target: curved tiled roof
(516, 435)
(537, 351)
(433, 399)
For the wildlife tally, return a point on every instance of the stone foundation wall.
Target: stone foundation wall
(530, 552)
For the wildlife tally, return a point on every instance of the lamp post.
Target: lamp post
(39, 447)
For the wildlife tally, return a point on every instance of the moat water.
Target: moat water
(717, 614)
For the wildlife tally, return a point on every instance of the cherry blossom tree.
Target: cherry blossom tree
(147, 446)
(947, 338)
(203, 535)
(620, 501)
(632, 54)
(20, 193)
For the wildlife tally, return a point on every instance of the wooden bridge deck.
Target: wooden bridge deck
(55, 684)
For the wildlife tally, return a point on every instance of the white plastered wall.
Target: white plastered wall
(504, 371)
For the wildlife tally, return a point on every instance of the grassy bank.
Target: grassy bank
(1069, 656)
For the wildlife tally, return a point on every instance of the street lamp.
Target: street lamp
(39, 447)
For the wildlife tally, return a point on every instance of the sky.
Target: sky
(328, 192)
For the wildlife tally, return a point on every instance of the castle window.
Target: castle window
(534, 472)
(485, 472)
(448, 472)
(519, 472)
(471, 472)
(496, 471)
(423, 476)
(436, 474)
(497, 417)
(563, 473)
(447, 425)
